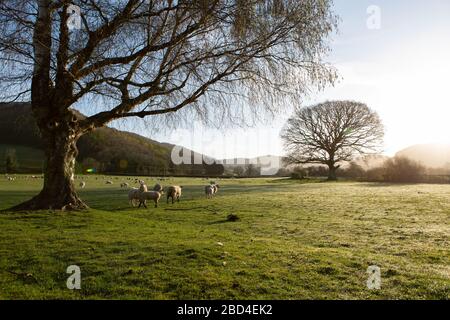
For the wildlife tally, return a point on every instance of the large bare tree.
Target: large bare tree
(332, 132)
(139, 58)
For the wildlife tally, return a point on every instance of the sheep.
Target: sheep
(124, 185)
(211, 190)
(82, 184)
(157, 187)
(143, 187)
(133, 194)
(109, 182)
(174, 192)
(149, 195)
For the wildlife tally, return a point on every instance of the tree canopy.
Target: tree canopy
(140, 58)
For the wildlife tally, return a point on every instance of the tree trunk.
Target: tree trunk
(58, 192)
(332, 172)
(57, 124)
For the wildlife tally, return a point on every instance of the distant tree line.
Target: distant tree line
(393, 170)
(243, 171)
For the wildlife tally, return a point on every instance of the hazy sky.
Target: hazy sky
(400, 69)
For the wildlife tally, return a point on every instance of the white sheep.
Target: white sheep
(209, 191)
(143, 187)
(149, 195)
(133, 195)
(174, 192)
(82, 184)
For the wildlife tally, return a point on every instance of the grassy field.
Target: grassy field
(294, 240)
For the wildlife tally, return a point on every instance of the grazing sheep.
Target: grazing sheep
(143, 187)
(82, 184)
(109, 182)
(124, 185)
(157, 187)
(174, 192)
(209, 191)
(149, 195)
(133, 195)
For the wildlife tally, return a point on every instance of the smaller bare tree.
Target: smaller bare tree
(332, 132)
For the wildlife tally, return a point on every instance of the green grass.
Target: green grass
(294, 240)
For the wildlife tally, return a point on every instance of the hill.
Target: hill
(265, 165)
(105, 150)
(430, 155)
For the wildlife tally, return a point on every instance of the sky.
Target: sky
(391, 54)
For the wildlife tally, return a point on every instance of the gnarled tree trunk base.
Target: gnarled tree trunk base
(55, 202)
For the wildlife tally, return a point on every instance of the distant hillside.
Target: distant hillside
(430, 155)
(266, 165)
(106, 150)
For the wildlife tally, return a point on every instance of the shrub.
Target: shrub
(299, 173)
(353, 171)
(317, 171)
(283, 172)
(401, 169)
(375, 174)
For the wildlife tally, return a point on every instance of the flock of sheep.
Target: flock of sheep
(13, 178)
(140, 196)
